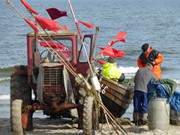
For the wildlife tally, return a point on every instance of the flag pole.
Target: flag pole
(75, 20)
(80, 35)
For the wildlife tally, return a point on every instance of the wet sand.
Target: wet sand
(59, 127)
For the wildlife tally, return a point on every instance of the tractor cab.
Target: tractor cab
(65, 43)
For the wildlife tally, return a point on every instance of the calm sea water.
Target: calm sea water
(153, 21)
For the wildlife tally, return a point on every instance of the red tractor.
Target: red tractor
(45, 77)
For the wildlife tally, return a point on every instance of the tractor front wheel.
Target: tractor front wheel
(90, 116)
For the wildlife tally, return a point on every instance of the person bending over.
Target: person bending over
(110, 71)
(143, 76)
(150, 55)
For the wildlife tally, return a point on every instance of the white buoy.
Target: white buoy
(95, 83)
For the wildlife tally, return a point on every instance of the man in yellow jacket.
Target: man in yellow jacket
(110, 71)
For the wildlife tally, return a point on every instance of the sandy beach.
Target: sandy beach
(145, 21)
(57, 127)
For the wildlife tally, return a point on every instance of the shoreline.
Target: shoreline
(45, 126)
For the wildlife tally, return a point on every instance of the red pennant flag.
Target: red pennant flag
(29, 7)
(100, 47)
(60, 47)
(66, 53)
(49, 24)
(32, 25)
(55, 13)
(121, 36)
(101, 62)
(88, 25)
(111, 43)
(53, 44)
(108, 51)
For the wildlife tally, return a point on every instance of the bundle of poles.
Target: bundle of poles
(111, 120)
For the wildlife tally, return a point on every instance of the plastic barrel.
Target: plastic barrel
(158, 114)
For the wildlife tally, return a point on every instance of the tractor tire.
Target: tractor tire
(20, 90)
(16, 117)
(90, 116)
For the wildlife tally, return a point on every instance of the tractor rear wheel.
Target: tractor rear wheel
(90, 116)
(20, 98)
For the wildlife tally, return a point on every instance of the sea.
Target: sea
(156, 22)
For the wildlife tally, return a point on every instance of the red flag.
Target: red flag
(108, 51)
(88, 25)
(29, 7)
(101, 62)
(66, 53)
(111, 43)
(32, 25)
(60, 47)
(55, 13)
(49, 24)
(53, 44)
(100, 47)
(121, 36)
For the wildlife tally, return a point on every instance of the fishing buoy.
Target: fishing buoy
(95, 83)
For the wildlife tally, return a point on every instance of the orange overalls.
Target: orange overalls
(156, 67)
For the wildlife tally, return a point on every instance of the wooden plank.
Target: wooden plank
(114, 86)
(121, 98)
(116, 92)
(119, 102)
(113, 82)
(119, 93)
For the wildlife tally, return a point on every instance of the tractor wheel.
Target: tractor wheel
(90, 116)
(16, 117)
(20, 90)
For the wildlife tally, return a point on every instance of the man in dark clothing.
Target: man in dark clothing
(142, 78)
(150, 55)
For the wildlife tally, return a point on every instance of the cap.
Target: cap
(145, 47)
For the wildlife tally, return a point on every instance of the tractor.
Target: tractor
(45, 83)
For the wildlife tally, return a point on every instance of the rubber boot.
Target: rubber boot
(143, 119)
(136, 118)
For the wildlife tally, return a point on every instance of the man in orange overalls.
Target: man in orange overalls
(152, 56)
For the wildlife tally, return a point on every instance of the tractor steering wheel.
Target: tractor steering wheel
(46, 54)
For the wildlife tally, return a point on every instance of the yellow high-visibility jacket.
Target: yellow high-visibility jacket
(111, 71)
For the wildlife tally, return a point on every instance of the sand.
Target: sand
(59, 127)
